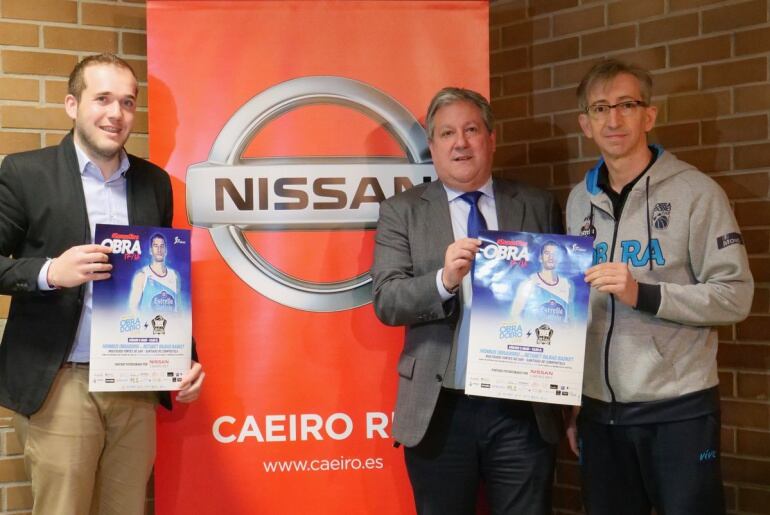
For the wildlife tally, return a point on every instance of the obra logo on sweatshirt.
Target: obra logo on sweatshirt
(588, 229)
(633, 252)
(230, 194)
(660, 214)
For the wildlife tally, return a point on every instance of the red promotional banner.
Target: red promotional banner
(283, 125)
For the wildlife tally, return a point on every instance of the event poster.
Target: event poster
(142, 323)
(529, 316)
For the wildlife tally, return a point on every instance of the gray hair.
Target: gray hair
(451, 95)
(609, 69)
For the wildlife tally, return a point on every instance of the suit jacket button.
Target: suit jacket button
(439, 378)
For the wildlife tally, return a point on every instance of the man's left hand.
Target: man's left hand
(614, 278)
(191, 383)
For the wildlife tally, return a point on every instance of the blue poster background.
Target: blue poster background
(497, 279)
(113, 293)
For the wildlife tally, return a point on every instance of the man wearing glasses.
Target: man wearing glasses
(669, 264)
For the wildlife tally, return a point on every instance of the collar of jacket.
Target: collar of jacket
(592, 177)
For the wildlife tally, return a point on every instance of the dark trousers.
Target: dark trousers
(673, 467)
(475, 439)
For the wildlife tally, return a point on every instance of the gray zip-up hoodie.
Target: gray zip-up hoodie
(676, 230)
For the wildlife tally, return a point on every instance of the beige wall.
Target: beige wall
(710, 60)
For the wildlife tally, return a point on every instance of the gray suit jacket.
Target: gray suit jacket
(413, 233)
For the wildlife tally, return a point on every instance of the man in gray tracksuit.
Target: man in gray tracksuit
(669, 263)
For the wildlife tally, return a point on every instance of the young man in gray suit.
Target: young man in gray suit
(425, 246)
(86, 452)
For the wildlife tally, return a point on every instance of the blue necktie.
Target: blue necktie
(459, 356)
(476, 220)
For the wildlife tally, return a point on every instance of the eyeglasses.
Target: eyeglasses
(625, 108)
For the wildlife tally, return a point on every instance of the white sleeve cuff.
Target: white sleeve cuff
(445, 295)
(42, 277)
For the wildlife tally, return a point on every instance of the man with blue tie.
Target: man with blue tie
(425, 246)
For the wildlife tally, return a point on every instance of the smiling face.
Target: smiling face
(461, 146)
(104, 114)
(619, 136)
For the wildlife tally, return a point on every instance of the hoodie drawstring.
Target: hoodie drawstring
(649, 225)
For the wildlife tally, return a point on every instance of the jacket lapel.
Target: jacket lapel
(511, 211)
(437, 214)
(68, 161)
(131, 194)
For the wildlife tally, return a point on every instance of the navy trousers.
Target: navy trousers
(673, 467)
(472, 440)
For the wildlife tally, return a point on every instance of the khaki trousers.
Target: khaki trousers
(88, 453)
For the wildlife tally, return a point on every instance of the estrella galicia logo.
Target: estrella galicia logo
(553, 311)
(588, 229)
(158, 325)
(544, 334)
(728, 239)
(163, 301)
(661, 214)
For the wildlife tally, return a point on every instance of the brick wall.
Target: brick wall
(40, 42)
(710, 61)
(710, 65)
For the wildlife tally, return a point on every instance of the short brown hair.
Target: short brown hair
(609, 69)
(451, 95)
(77, 81)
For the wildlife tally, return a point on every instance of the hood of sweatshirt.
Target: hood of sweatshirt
(665, 167)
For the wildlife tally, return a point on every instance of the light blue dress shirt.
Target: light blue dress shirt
(106, 203)
(458, 211)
